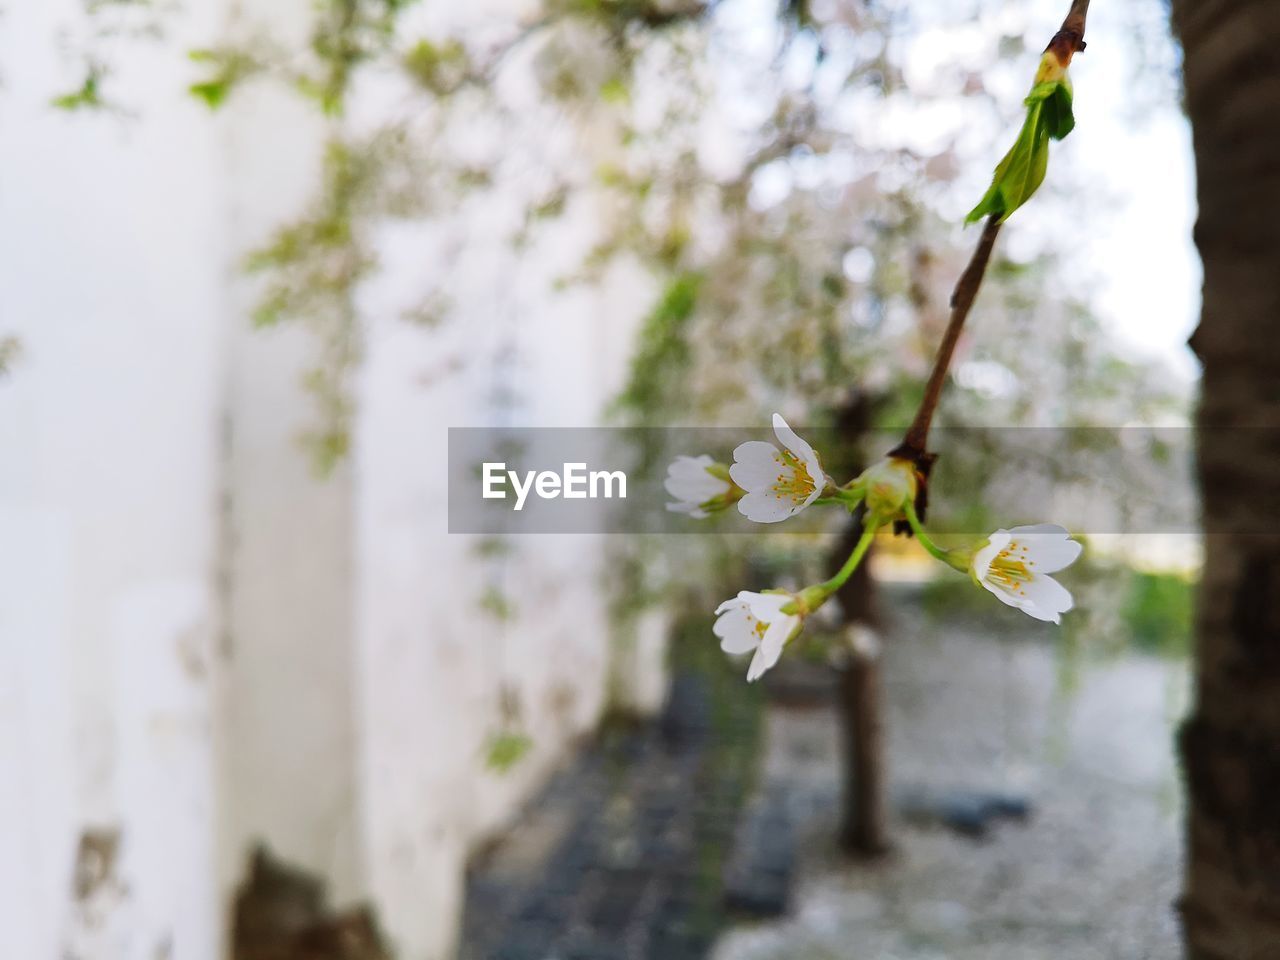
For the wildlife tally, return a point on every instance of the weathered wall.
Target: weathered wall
(111, 270)
(202, 646)
(286, 751)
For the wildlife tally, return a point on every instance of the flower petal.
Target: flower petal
(982, 558)
(740, 642)
(765, 606)
(689, 510)
(686, 465)
(1004, 595)
(732, 602)
(770, 651)
(1040, 530)
(771, 647)
(756, 465)
(688, 480)
(1046, 599)
(767, 508)
(791, 440)
(804, 453)
(736, 627)
(1046, 546)
(1043, 598)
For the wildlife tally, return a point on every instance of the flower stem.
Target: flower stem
(829, 587)
(918, 529)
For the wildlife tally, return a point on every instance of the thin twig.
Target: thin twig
(966, 291)
(1066, 42)
(1075, 19)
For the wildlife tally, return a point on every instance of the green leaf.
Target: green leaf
(87, 97)
(213, 93)
(504, 750)
(1056, 110)
(230, 68)
(1020, 173)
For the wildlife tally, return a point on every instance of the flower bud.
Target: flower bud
(889, 484)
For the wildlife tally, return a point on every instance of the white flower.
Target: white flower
(691, 482)
(755, 621)
(779, 483)
(1015, 566)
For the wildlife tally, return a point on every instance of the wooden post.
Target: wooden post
(863, 830)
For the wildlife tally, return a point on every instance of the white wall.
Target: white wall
(202, 646)
(434, 666)
(111, 274)
(286, 753)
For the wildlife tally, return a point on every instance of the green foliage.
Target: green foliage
(615, 90)
(437, 67)
(313, 266)
(497, 604)
(88, 96)
(1020, 173)
(758, 309)
(347, 34)
(662, 355)
(1158, 613)
(228, 66)
(622, 15)
(506, 749)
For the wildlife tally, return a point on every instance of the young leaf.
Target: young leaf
(1056, 109)
(1020, 173)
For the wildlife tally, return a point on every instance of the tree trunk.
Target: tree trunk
(1231, 744)
(858, 688)
(863, 832)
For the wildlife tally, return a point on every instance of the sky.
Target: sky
(1123, 183)
(1131, 151)
(1142, 253)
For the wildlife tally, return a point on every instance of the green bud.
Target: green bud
(889, 485)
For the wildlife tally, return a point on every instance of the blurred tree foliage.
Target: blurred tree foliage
(789, 182)
(100, 39)
(10, 349)
(791, 178)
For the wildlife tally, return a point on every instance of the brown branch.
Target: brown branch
(1066, 42)
(915, 442)
(1075, 19)
(1070, 39)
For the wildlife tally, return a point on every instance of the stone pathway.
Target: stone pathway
(1091, 874)
(622, 856)
(662, 842)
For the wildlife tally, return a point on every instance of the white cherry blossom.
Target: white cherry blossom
(1015, 566)
(779, 483)
(693, 485)
(755, 622)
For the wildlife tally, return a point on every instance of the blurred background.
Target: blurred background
(256, 259)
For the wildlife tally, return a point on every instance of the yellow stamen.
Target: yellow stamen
(1011, 568)
(794, 483)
